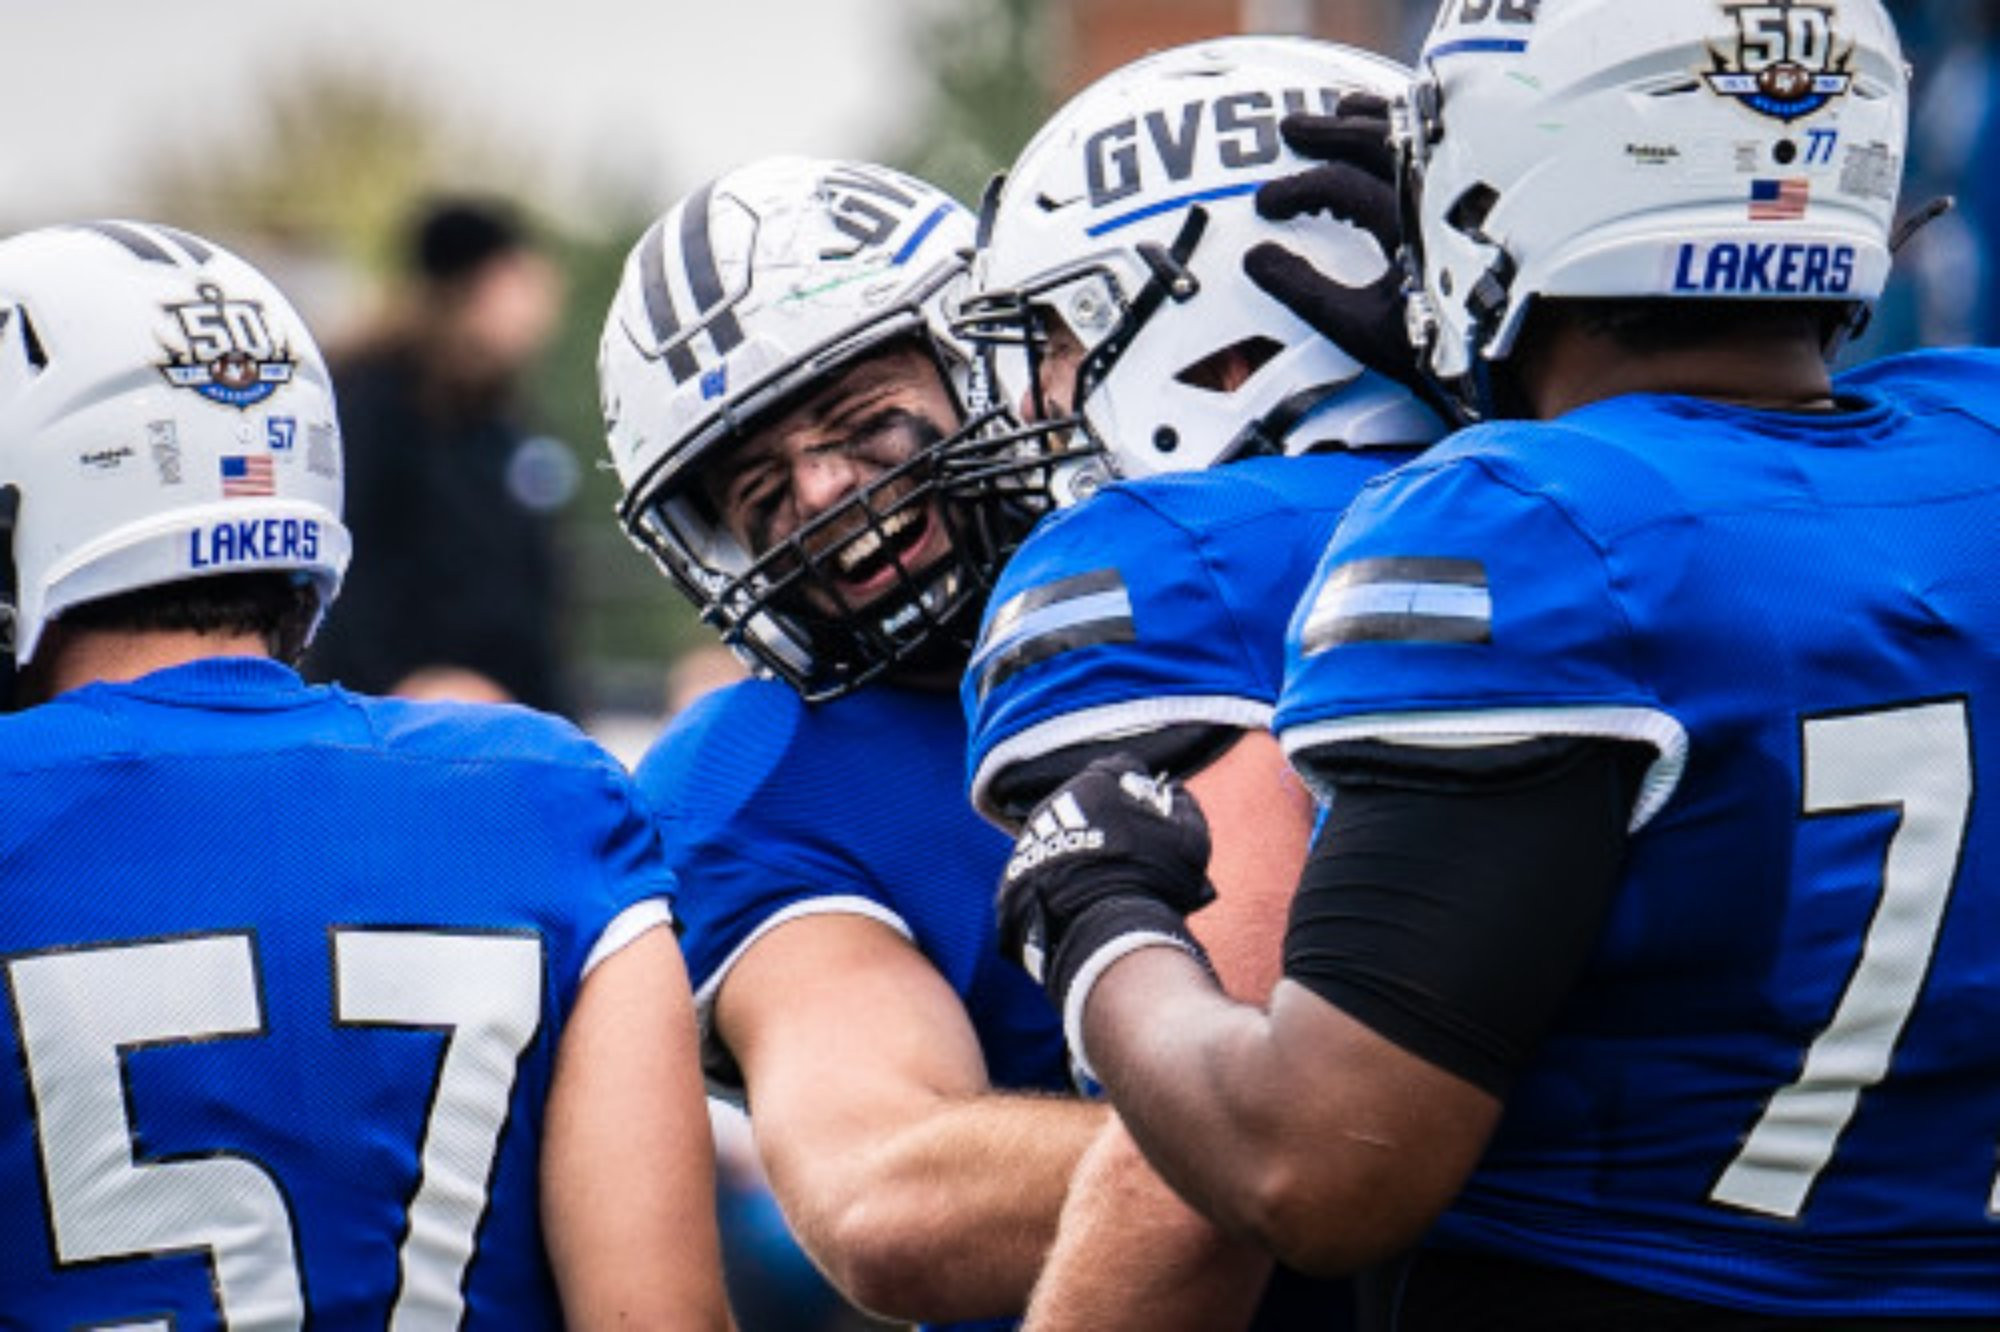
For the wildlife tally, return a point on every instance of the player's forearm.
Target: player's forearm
(1295, 1127)
(1131, 1255)
(1170, 1046)
(951, 1217)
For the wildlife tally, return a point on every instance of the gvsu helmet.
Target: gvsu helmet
(164, 415)
(1127, 218)
(743, 298)
(1686, 149)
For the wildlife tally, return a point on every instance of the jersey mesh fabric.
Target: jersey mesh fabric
(1156, 602)
(772, 808)
(1734, 1107)
(306, 895)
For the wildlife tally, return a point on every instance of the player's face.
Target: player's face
(1057, 359)
(806, 465)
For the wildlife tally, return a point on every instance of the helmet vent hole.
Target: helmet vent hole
(1228, 368)
(1469, 214)
(1675, 86)
(31, 344)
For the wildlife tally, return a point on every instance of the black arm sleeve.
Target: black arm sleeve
(1454, 895)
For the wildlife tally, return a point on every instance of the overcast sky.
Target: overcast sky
(639, 89)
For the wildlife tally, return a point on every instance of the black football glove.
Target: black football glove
(1113, 860)
(1354, 181)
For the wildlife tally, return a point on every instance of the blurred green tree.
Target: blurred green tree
(990, 88)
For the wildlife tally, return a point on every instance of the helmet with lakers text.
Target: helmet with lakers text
(1124, 224)
(164, 415)
(1679, 149)
(744, 299)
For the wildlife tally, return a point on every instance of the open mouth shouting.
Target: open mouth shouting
(861, 568)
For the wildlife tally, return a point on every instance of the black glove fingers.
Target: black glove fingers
(1350, 316)
(1368, 104)
(1363, 141)
(1337, 189)
(1365, 322)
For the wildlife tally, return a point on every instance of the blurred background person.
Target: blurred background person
(452, 498)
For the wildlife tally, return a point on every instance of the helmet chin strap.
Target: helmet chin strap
(10, 616)
(1485, 304)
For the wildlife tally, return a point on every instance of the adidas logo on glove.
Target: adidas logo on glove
(1058, 830)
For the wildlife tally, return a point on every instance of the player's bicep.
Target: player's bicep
(1260, 820)
(624, 1243)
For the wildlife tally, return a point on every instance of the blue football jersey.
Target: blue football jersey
(285, 971)
(1778, 1086)
(1157, 602)
(773, 809)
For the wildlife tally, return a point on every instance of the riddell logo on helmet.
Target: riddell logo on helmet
(1786, 61)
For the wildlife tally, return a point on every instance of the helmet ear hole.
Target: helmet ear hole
(1226, 369)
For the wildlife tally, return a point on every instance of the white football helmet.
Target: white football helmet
(1698, 149)
(164, 415)
(749, 293)
(1127, 217)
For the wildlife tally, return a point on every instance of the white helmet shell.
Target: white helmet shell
(164, 415)
(1686, 149)
(753, 290)
(749, 287)
(1118, 172)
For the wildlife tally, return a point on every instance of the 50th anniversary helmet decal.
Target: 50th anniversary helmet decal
(230, 356)
(1787, 61)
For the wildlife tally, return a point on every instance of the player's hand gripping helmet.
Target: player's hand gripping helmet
(1126, 219)
(1686, 149)
(749, 294)
(164, 415)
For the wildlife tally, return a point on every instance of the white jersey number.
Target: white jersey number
(80, 1010)
(1916, 760)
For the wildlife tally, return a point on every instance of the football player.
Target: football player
(809, 454)
(322, 1010)
(1111, 291)
(1636, 969)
